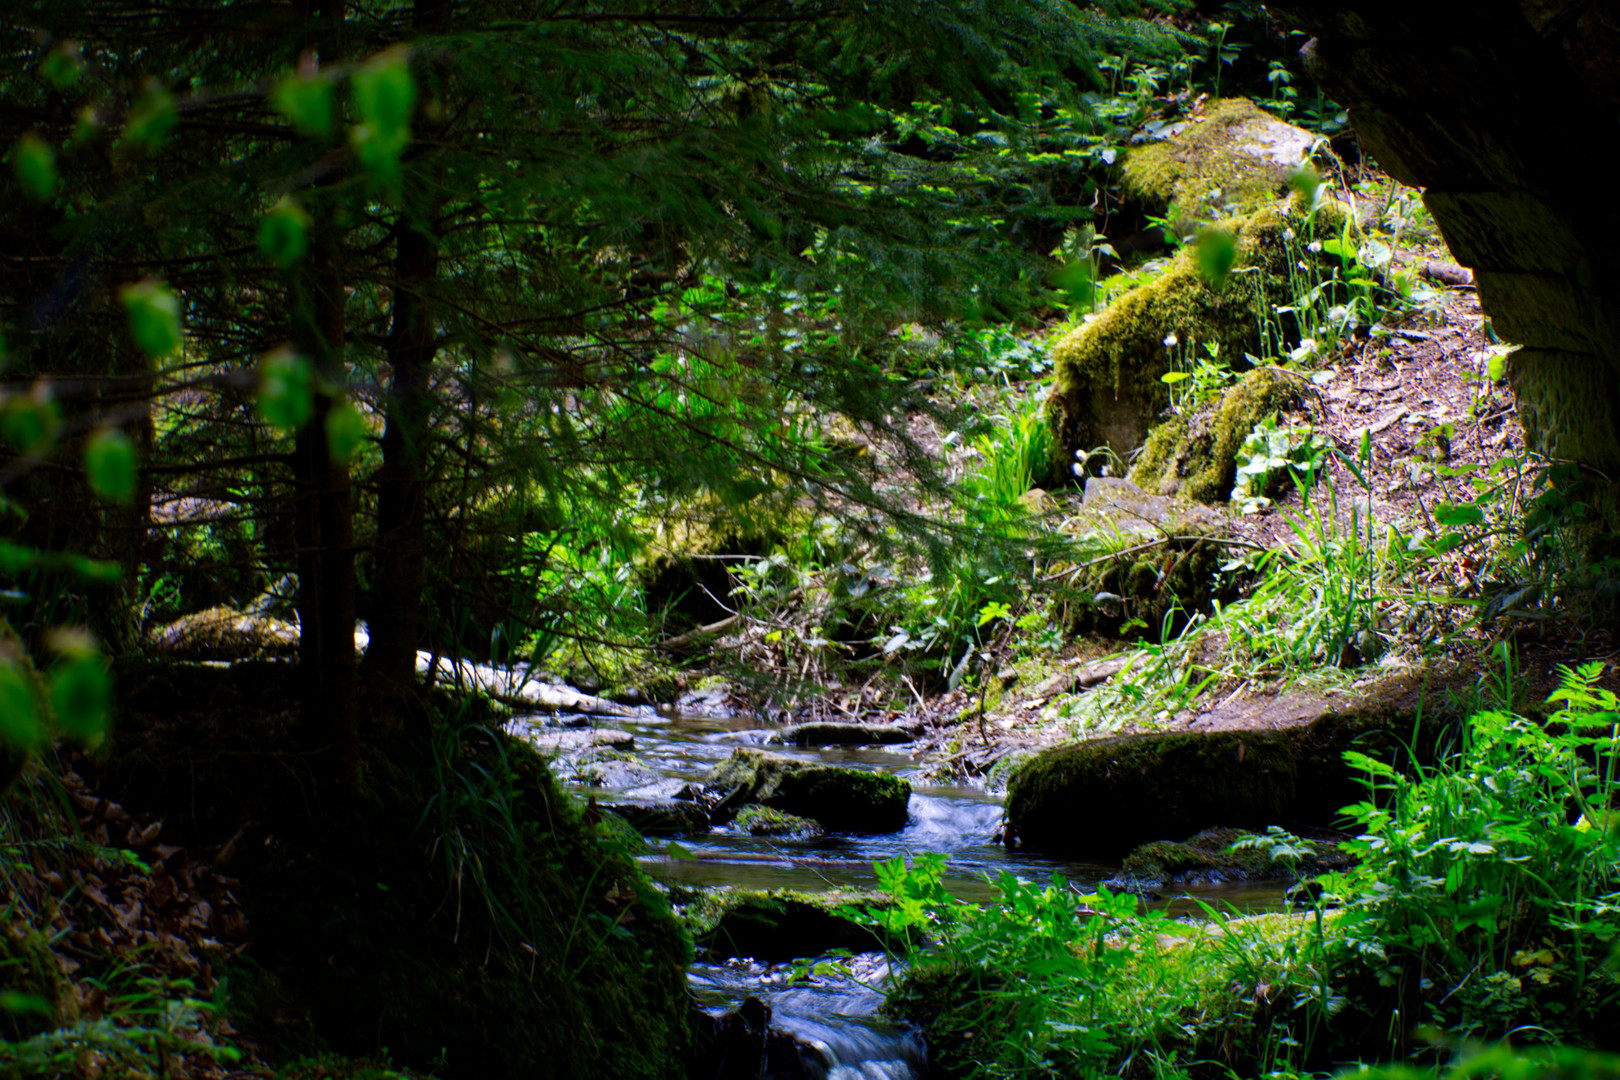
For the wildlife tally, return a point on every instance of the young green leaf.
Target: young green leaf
(345, 431)
(81, 697)
(154, 317)
(34, 161)
(1454, 516)
(28, 422)
(284, 233)
(109, 465)
(1216, 252)
(151, 118)
(286, 395)
(307, 102)
(62, 66)
(19, 715)
(384, 93)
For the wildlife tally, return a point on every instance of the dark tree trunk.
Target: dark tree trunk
(401, 482)
(325, 528)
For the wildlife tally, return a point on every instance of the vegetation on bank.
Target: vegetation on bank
(1482, 908)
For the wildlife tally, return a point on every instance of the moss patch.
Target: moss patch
(1108, 390)
(1195, 457)
(1233, 158)
(1205, 859)
(779, 925)
(768, 821)
(1155, 589)
(1104, 797)
(843, 800)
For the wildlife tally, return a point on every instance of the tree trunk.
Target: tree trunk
(401, 483)
(325, 528)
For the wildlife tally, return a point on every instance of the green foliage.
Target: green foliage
(110, 465)
(1270, 456)
(154, 317)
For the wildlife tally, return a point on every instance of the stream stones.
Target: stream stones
(838, 799)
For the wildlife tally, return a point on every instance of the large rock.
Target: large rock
(1231, 158)
(1497, 109)
(1108, 389)
(843, 800)
(1101, 798)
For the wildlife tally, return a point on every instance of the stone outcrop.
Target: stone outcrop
(1499, 110)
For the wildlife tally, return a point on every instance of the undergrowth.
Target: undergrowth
(1486, 906)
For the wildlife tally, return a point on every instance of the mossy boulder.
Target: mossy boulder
(1154, 590)
(1232, 158)
(1104, 797)
(1108, 390)
(779, 925)
(768, 821)
(223, 633)
(1194, 455)
(839, 799)
(665, 817)
(1206, 858)
(832, 733)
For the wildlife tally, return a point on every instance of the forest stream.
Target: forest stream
(836, 1014)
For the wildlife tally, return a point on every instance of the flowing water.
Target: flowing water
(836, 1015)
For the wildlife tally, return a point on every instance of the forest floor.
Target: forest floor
(1419, 426)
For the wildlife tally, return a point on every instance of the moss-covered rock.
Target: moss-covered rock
(1206, 859)
(1104, 797)
(831, 733)
(666, 817)
(843, 800)
(1151, 591)
(778, 925)
(1108, 389)
(1231, 158)
(222, 633)
(768, 821)
(1195, 456)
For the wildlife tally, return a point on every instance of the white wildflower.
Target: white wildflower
(1170, 340)
(1288, 234)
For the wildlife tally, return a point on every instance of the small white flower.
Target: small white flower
(1302, 265)
(1079, 470)
(1288, 234)
(1314, 245)
(1170, 340)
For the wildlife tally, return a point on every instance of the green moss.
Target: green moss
(780, 924)
(1206, 858)
(1195, 456)
(1148, 787)
(1202, 173)
(768, 821)
(1178, 578)
(1108, 388)
(844, 800)
(481, 921)
(29, 969)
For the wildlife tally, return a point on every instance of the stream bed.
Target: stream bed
(641, 754)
